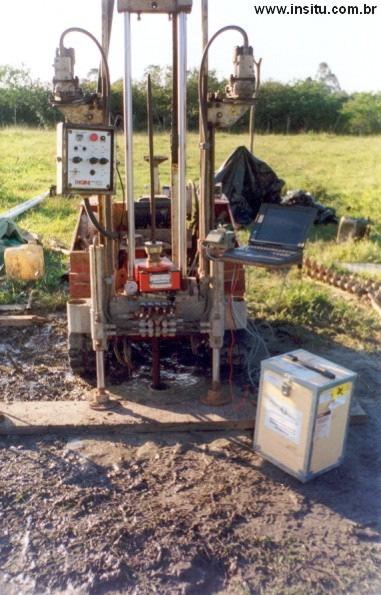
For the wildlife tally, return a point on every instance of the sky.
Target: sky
(291, 47)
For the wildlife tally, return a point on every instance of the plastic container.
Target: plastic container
(24, 263)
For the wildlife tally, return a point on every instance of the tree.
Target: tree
(328, 78)
(23, 100)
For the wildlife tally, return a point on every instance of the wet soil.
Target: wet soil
(34, 364)
(179, 513)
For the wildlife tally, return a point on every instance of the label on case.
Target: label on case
(161, 280)
(283, 419)
(323, 426)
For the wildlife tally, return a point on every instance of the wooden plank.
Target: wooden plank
(20, 321)
(13, 307)
(40, 417)
(69, 417)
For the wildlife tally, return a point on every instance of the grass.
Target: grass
(343, 172)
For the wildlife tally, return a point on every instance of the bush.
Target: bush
(363, 113)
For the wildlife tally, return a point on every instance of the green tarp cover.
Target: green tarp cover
(10, 235)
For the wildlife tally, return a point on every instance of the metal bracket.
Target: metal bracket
(155, 6)
(226, 113)
(287, 386)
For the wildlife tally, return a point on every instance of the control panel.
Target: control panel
(85, 160)
(155, 6)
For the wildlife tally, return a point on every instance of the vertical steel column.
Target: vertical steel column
(204, 216)
(254, 107)
(128, 139)
(182, 124)
(205, 26)
(175, 148)
(107, 17)
(151, 160)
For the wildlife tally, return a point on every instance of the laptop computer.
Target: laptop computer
(277, 239)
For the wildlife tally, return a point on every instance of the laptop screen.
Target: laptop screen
(282, 225)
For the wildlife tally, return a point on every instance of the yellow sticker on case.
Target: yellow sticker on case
(340, 391)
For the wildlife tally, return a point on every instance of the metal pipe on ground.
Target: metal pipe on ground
(24, 206)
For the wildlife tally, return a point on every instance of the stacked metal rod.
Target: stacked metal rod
(364, 289)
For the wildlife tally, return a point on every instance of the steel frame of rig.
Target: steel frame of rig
(138, 273)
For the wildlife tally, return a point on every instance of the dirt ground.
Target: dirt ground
(179, 513)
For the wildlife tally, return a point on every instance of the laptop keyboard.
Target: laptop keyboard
(271, 250)
(263, 256)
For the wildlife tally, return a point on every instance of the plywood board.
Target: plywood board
(70, 417)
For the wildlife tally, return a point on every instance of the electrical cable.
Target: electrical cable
(118, 119)
(121, 182)
(193, 265)
(123, 195)
(117, 354)
(107, 92)
(210, 257)
(243, 325)
(252, 330)
(127, 356)
(233, 342)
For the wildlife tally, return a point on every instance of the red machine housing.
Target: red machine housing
(161, 276)
(79, 277)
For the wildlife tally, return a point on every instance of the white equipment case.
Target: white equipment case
(303, 413)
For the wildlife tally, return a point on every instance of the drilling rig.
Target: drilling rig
(138, 272)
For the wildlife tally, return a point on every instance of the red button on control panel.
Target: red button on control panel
(93, 137)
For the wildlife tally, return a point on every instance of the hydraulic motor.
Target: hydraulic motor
(242, 82)
(66, 85)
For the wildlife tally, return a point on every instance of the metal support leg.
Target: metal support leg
(216, 366)
(101, 399)
(215, 397)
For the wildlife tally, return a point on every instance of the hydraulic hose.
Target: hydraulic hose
(111, 235)
(206, 218)
(202, 93)
(107, 92)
